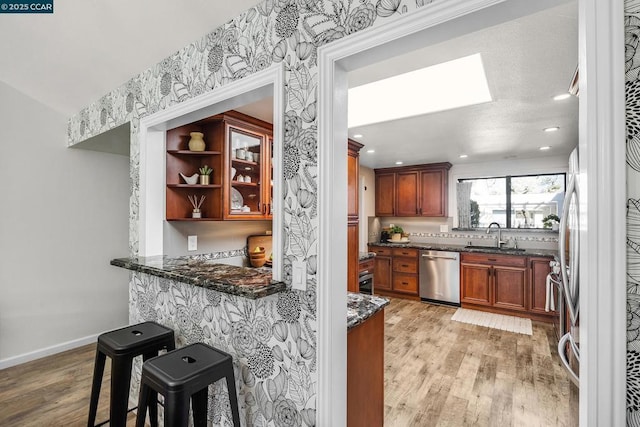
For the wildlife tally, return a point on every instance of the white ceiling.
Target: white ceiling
(527, 62)
(85, 49)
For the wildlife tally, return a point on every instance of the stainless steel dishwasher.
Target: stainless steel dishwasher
(440, 277)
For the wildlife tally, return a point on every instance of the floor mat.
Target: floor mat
(515, 324)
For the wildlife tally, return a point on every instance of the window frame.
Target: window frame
(507, 179)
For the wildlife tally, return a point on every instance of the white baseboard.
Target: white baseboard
(47, 351)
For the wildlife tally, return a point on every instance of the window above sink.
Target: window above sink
(513, 201)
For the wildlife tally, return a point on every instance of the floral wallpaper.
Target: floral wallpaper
(275, 337)
(632, 87)
(272, 341)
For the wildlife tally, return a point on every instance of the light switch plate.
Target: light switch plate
(192, 243)
(299, 275)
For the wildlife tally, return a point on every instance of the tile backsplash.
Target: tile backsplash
(428, 231)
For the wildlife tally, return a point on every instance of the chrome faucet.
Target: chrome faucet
(499, 242)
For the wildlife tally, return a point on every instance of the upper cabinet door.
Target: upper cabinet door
(246, 155)
(385, 194)
(433, 193)
(418, 190)
(407, 194)
(352, 185)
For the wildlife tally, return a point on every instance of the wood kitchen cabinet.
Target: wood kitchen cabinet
(353, 258)
(396, 271)
(494, 282)
(475, 284)
(382, 273)
(418, 191)
(407, 194)
(539, 269)
(353, 215)
(385, 194)
(180, 160)
(244, 133)
(225, 194)
(510, 288)
(432, 201)
(365, 373)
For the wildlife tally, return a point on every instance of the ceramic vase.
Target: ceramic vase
(196, 143)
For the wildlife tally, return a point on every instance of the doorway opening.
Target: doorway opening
(434, 24)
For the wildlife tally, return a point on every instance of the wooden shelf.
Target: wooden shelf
(245, 162)
(192, 219)
(218, 131)
(194, 153)
(194, 186)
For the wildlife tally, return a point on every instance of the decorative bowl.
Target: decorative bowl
(191, 180)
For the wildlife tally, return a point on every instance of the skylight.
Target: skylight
(453, 84)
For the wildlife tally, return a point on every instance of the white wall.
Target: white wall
(63, 217)
(213, 236)
(367, 204)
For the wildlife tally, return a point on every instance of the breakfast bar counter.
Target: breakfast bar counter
(269, 329)
(247, 282)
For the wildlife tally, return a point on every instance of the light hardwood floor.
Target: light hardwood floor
(53, 391)
(438, 373)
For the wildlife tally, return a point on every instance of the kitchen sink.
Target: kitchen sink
(494, 248)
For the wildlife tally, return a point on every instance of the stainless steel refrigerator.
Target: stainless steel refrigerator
(568, 254)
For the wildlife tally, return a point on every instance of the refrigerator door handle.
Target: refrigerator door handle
(562, 344)
(562, 249)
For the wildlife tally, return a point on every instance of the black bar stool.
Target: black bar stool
(181, 375)
(122, 345)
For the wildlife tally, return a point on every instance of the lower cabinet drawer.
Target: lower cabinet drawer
(407, 283)
(366, 265)
(381, 250)
(405, 265)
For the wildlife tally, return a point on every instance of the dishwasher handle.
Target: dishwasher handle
(439, 257)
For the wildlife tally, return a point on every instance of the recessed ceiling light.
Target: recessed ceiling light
(371, 151)
(545, 148)
(551, 129)
(441, 87)
(398, 162)
(561, 96)
(357, 135)
(463, 156)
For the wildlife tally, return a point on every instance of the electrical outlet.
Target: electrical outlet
(192, 243)
(299, 275)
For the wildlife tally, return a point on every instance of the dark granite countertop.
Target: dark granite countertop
(458, 248)
(360, 307)
(366, 255)
(250, 283)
